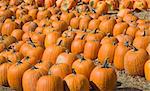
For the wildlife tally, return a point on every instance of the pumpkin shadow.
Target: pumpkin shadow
(66, 88)
(128, 89)
(93, 87)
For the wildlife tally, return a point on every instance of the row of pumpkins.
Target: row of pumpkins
(48, 49)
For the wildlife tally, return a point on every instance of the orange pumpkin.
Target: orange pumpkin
(146, 70)
(58, 70)
(134, 61)
(103, 77)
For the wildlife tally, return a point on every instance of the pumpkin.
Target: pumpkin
(91, 49)
(16, 46)
(119, 28)
(107, 26)
(21, 12)
(39, 2)
(131, 30)
(74, 22)
(84, 22)
(38, 38)
(140, 33)
(126, 4)
(58, 3)
(120, 52)
(104, 77)
(146, 70)
(94, 24)
(141, 42)
(31, 2)
(15, 74)
(29, 26)
(112, 4)
(122, 38)
(30, 78)
(50, 83)
(9, 40)
(129, 18)
(66, 42)
(54, 51)
(66, 58)
(42, 14)
(140, 4)
(123, 12)
(60, 25)
(76, 82)
(4, 71)
(108, 39)
(51, 38)
(134, 61)
(95, 35)
(83, 66)
(107, 50)
(33, 13)
(15, 2)
(49, 3)
(77, 45)
(69, 34)
(67, 16)
(45, 65)
(8, 28)
(68, 4)
(17, 33)
(60, 69)
(101, 7)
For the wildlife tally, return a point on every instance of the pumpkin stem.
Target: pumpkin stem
(106, 64)
(114, 42)
(59, 43)
(80, 57)
(134, 48)
(82, 37)
(74, 72)
(109, 35)
(33, 68)
(67, 51)
(27, 57)
(9, 60)
(126, 43)
(144, 34)
(19, 62)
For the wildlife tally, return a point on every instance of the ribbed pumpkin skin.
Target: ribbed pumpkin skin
(91, 49)
(107, 50)
(3, 73)
(134, 62)
(15, 73)
(83, 67)
(77, 82)
(119, 28)
(120, 52)
(31, 77)
(61, 70)
(67, 58)
(50, 83)
(147, 70)
(141, 42)
(51, 53)
(107, 26)
(104, 78)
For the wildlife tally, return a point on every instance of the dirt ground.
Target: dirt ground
(125, 82)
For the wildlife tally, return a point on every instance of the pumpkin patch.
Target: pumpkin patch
(73, 45)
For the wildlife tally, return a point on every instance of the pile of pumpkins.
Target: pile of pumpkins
(71, 45)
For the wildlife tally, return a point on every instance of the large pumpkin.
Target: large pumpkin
(30, 78)
(134, 61)
(76, 82)
(50, 83)
(83, 66)
(103, 77)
